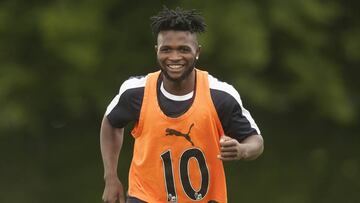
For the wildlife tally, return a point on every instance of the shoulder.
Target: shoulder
(236, 120)
(222, 90)
(130, 93)
(132, 83)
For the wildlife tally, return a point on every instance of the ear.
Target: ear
(198, 50)
(156, 48)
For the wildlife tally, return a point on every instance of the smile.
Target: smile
(175, 66)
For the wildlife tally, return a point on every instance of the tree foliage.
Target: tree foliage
(61, 62)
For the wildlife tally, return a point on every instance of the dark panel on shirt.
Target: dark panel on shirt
(128, 108)
(234, 123)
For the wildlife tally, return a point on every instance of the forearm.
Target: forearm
(111, 140)
(254, 145)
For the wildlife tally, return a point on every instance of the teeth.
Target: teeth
(175, 66)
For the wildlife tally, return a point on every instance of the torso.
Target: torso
(175, 159)
(235, 119)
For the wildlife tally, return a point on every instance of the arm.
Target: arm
(236, 122)
(249, 149)
(111, 140)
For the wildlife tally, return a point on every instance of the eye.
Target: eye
(164, 49)
(185, 49)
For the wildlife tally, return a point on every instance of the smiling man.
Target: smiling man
(187, 123)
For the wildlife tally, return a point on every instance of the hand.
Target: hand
(231, 149)
(113, 191)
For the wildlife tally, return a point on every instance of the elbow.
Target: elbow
(257, 147)
(260, 146)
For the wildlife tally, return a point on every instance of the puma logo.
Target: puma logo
(170, 132)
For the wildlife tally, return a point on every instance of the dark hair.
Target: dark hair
(178, 19)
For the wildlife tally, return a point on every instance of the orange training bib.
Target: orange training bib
(175, 159)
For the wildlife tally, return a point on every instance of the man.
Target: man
(187, 123)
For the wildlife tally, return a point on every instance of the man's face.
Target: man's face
(176, 54)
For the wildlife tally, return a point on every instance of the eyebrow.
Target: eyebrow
(180, 46)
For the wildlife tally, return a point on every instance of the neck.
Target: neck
(182, 87)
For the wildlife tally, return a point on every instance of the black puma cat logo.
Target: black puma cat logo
(170, 132)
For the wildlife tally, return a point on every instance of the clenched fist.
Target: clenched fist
(231, 149)
(113, 191)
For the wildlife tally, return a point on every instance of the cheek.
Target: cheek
(161, 60)
(191, 58)
(160, 56)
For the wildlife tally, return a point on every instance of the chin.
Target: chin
(174, 79)
(177, 78)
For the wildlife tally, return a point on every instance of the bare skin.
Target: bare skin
(181, 48)
(177, 52)
(249, 149)
(111, 140)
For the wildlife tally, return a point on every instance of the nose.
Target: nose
(174, 56)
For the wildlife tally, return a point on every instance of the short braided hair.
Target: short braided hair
(177, 19)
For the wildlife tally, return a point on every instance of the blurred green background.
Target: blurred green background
(295, 63)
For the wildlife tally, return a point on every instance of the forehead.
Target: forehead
(173, 37)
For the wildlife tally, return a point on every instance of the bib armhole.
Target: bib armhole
(212, 105)
(139, 125)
